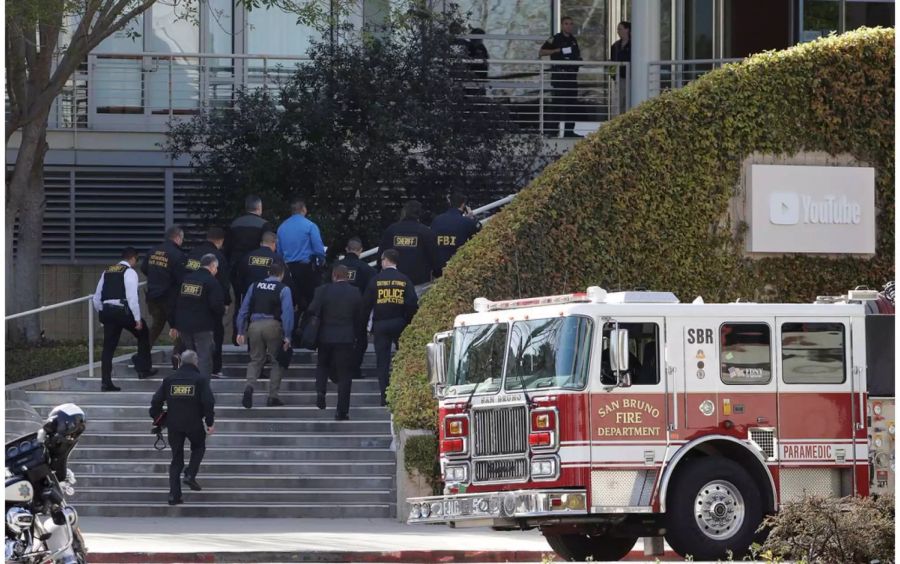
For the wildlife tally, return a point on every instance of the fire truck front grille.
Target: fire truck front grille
(764, 439)
(501, 470)
(500, 432)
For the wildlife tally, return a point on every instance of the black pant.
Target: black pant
(198, 449)
(362, 343)
(114, 319)
(564, 98)
(218, 338)
(159, 313)
(387, 333)
(306, 278)
(336, 360)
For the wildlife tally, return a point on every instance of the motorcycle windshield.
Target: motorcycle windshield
(21, 419)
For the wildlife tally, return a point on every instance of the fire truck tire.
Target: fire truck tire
(713, 507)
(600, 548)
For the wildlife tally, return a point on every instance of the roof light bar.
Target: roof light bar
(594, 294)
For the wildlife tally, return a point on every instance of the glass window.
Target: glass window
(745, 354)
(549, 353)
(818, 18)
(643, 354)
(812, 353)
(273, 31)
(476, 357)
(869, 14)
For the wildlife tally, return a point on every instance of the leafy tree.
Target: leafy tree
(38, 66)
(361, 128)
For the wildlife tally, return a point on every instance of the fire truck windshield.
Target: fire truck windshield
(549, 353)
(476, 356)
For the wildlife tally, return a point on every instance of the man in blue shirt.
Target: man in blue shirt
(300, 243)
(270, 311)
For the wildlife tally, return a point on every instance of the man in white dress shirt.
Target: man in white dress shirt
(116, 299)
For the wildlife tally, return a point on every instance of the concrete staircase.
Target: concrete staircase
(291, 461)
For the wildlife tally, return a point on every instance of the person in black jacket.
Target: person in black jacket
(190, 403)
(244, 236)
(620, 51)
(391, 298)
(255, 267)
(453, 228)
(215, 238)
(340, 311)
(359, 273)
(116, 299)
(415, 243)
(199, 303)
(164, 268)
(563, 78)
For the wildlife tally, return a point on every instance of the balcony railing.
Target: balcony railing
(672, 75)
(142, 92)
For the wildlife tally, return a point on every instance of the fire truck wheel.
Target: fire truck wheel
(601, 548)
(713, 507)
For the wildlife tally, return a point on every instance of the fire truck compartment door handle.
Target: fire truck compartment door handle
(762, 420)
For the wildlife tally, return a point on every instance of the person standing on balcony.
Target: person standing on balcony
(300, 243)
(215, 239)
(621, 52)
(116, 300)
(244, 236)
(453, 228)
(414, 242)
(200, 301)
(564, 78)
(164, 267)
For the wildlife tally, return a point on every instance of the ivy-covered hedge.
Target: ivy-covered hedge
(644, 201)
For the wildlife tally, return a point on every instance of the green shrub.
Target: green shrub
(645, 200)
(30, 361)
(850, 529)
(421, 455)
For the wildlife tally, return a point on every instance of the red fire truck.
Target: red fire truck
(604, 417)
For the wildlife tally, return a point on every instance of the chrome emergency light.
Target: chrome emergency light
(594, 295)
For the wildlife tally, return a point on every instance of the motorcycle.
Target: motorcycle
(40, 526)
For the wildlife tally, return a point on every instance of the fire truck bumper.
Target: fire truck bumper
(496, 506)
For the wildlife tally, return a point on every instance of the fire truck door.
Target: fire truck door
(817, 410)
(729, 380)
(628, 424)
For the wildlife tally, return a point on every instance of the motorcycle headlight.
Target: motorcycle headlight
(19, 519)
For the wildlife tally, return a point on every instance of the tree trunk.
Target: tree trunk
(27, 202)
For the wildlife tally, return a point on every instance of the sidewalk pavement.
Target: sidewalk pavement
(184, 539)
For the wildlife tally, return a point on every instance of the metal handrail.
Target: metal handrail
(50, 307)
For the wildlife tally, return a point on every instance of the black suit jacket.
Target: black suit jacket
(339, 308)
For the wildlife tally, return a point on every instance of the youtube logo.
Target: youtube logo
(784, 208)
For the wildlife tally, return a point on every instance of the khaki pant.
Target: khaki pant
(265, 336)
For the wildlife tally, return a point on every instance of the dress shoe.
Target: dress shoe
(320, 401)
(175, 500)
(339, 417)
(176, 360)
(247, 400)
(147, 373)
(274, 402)
(110, 388)
(191, 482)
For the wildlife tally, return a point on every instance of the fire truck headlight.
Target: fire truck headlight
(543, 468)
(481, 505)
(878, 442)
(456, 473)
(876, 407)
(414, 512)
(426, 510)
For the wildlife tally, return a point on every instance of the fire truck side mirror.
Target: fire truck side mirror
(437, 362)
(618, 356)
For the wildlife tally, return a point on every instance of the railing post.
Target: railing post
(170, 88)
(90, 314)
(541, 100)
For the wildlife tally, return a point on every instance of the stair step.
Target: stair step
(232, 385)
(294, 412)
(325, 425)
(249, 497)
(160, 465)
(309, 440)
(142, 398)
(229, 453)
(271, 510)
(239, 482)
